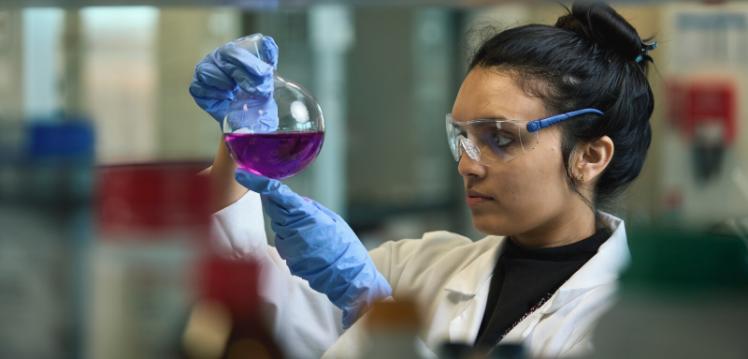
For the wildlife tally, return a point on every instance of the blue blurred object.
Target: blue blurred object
(234, 75)
(320, 247)
(72, 139)
(58, 157)
(45, 211)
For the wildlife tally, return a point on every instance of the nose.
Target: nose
(468, 167)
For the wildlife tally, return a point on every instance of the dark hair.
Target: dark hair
(592, 57)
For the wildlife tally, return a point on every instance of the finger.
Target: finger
(273, 190)
(209, 74)
(268, 50)
(216, 108)
(204, 91)
(250, 73)
(268, 120)
(232, 55)
(258, 87)
(334, 216)
(246, 70)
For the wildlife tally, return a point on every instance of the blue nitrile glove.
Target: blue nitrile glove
(231, 72)
(320, 247)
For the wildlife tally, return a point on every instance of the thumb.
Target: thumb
(273, 190)
(268, 51)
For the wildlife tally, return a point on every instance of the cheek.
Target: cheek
(536, 177)
(529, 190)
(548, 177)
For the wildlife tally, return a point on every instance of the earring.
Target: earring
(580, 178)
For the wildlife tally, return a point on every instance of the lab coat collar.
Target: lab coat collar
(469, 280)
(603, 268)
(466, 294)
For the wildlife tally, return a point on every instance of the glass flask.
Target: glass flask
(268, 147)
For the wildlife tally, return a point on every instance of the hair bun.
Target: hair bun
(604, 26)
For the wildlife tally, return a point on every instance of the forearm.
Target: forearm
(304, 321)
(225, 188)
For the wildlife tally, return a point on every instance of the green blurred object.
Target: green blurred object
(677, 259)
(684, 295)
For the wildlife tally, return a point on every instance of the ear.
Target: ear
(590, 160)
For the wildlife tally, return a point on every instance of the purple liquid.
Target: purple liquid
(275, 155)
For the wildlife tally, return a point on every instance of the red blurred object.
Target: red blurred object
(700, 102)
(234, 283)
(152, 198)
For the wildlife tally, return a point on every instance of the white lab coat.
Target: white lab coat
(448, 275)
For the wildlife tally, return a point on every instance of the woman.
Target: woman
(549, 123)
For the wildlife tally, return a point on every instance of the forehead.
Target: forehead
(491, 93)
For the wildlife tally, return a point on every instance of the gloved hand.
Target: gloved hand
(320, 247)
(231, 72)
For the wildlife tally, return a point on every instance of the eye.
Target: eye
(502, 139)
(460, 132)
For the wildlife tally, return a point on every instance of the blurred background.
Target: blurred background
(111, 79)
(385, 75)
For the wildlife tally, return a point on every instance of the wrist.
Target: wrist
(225, 188)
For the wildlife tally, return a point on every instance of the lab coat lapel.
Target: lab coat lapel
(465, 298)
(603, 268)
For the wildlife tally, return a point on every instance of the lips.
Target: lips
(475, 198)
(472, 193)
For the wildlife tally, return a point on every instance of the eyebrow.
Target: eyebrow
(495, 118)
(479, 118)
(492, 119)
(488, 119)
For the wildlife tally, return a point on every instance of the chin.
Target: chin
(491, 225)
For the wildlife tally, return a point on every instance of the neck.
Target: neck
(570, 226)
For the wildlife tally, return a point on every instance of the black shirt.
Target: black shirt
(524, 278)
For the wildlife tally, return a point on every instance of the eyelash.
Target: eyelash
(497, 137)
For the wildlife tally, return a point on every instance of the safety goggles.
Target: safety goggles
(491, 140)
